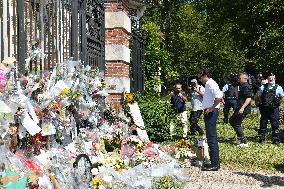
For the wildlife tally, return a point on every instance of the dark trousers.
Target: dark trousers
(193, 119)
(210, 120)
(271, 114)
(236, 122)
(229, 103)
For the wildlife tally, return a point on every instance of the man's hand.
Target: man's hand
(241, 111)
(208, 110)
(182, 97)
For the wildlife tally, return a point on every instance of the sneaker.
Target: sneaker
(243, 145)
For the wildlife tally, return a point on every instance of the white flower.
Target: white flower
(177, 156)
(102, 169)
(95, 171)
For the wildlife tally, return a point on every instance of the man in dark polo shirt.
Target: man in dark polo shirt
(243, 108)
(178, 102)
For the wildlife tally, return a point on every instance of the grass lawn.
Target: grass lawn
(255, 157)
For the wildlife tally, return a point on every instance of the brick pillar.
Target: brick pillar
(117, 34)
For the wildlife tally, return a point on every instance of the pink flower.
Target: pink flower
(3, 80)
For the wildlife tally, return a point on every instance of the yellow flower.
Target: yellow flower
(97, 182)
(129, 98)
(64, 93)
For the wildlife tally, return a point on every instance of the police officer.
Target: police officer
(230, 91)
(243, 108)
(269, 97)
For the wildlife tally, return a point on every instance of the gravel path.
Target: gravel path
(232, 179)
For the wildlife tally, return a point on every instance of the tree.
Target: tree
(157, 59)
(194, 43)
(257, 29)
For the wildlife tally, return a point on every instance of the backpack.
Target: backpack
(232, 92)
(269, 98)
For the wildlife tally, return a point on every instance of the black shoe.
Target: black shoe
(210, 168)
(276, 143)
(192, 134)
(206, 165)
(184, 138)
(261, 141)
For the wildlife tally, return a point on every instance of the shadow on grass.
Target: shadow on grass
(267, 181)
(234, 141)
(279, 167)
(227, 140)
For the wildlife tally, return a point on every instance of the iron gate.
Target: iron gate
(40, 33)
(93, 33)
(137, 58)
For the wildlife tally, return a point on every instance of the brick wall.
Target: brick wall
(116, 6)
(115, 100)
(117, 36)
(117, 69)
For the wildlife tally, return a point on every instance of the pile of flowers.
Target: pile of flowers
(57, 131)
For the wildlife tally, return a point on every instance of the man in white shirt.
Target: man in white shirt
(196, 93)
(210, 104)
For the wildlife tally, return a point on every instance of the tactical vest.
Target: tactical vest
(232, 92)
(269, 98)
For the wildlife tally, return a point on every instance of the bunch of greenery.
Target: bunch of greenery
(167, 182)
(158, 115)
(157, 58)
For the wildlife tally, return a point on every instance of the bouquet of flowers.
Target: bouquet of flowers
(134, 142)
(112, 144)
(182, 150)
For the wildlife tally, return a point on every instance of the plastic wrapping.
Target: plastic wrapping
(50, 113)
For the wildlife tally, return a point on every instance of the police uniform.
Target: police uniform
(230, 101)
(270, 112)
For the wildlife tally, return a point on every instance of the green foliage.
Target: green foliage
(224, 35)
(157, 59)
(151, 86)
(157, 115)
(167, 182)
(193, 43)
(257, 30)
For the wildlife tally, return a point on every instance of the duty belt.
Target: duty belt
(231, 98)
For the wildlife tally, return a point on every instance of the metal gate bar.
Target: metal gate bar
(40, 34)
